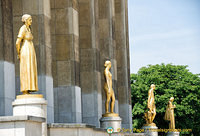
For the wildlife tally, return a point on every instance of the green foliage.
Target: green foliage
(170, 80)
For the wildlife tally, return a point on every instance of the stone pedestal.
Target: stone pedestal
(150, 130)
(172, 133)
(21, 126)
(114, 122)
(31, 105)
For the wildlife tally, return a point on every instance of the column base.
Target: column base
(150, 130)
(114, 122)
(31, 105)
(173, 133)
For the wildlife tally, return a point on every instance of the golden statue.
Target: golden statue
(109, 91)
(27, 57)
(169, 114)
(151, 113)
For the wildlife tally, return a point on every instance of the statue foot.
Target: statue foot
(25, 92)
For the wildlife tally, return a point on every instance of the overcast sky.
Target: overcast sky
(164, 31)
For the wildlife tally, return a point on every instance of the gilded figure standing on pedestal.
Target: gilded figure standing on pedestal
(151, 113)
(169, 114)
(109, 91)
(27, 57)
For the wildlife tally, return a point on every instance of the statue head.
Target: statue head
(153, 86)
(107, 63)
(27, 19)
(171, 99)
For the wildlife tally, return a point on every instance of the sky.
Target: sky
(164, 31)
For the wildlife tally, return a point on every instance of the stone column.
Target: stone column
(7, 68)
(90, 76)
(65, 41)
(40, 12)
(123, 68)
(107, 45)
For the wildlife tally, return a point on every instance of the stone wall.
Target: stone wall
(21, 126)
(66, 62)
(123, 66)
(7, 67)
(90, 77)
(72, 39)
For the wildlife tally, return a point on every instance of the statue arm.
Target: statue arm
(149, 100)
(18, 46)
(173, 106)
(108, 81)
(19, 39)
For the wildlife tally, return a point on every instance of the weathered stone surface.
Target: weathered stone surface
(62, 47)
(58, 129)
(68, 104)
(85, 37)
(75, 73)
(73, 43)
(104, 28)
(62, 21)
(73, 21)
(84, 14)
(44, 8)
(17, 7)
(52, 3)
(37, 21)
(48, 61)
(21, 126)
(74, 47)
(103, 9)
(74, 4)
(7, 87)
(53, 21)
(122, 56)
(30, 6)
(61, 3)
(1, 35)
(54, 73)
(64, 73)
(104, 49)
(47, 33)
(7, 29)
(88, 59)
(21, 118)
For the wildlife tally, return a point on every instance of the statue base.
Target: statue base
(152, 124)
(31, 105)
(173, 133)
(114, 122)
(29, 96)
(110, 115)
(150, 129)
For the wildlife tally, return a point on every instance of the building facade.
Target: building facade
(72, 39)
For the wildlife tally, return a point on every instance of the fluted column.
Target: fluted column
(90, 76)
(107, 45)
(66, 62)
(123, 66)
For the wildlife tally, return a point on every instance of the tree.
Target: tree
(170, 80)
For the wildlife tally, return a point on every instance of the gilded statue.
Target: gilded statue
(151, 113)
(169, 114)
(110, 96)
(27, 57)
